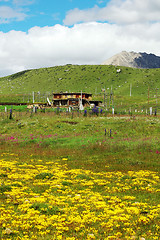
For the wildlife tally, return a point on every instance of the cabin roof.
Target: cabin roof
(72, 93)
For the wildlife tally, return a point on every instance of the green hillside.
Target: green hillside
(88, 78)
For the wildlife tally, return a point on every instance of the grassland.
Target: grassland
(70, 176)
(82, 176)
(144, 84)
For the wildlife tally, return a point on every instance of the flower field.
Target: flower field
(46, 200)
(82, 192)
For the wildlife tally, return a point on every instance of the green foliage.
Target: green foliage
(66, 183)
(3, 175)
(44, 208)
(44, 175)
(19, 108)
(83, 176)
(19, 74)
(5, 188)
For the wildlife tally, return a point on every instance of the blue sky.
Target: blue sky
(30, 13)
(45, 33)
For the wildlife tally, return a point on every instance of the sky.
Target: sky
(46, 33)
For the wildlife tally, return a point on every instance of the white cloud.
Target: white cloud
(117, 11)
(8, 14)
(87, 43)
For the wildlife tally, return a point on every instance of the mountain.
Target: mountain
(135, 60)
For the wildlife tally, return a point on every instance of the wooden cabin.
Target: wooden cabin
(71, 99)
(74, 100)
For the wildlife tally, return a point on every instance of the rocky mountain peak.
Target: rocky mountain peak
(135, 60)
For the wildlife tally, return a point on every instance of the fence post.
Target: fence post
(150, 110)
(10, 115)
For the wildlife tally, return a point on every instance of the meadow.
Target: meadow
(79, 176)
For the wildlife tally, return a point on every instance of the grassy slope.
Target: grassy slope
(88, 78)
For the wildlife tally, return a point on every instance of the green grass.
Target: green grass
(19, 108)
(132, 144)
(88, 78)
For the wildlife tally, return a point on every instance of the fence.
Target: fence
(11, 112)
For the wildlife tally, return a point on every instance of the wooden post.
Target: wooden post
(104, 97)
(34, 109)
(106, 101)
(112, 110)
(156, 95)
(150, 110)
(110, 132)
(112, 96)
(33, 97)
(10, 114)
